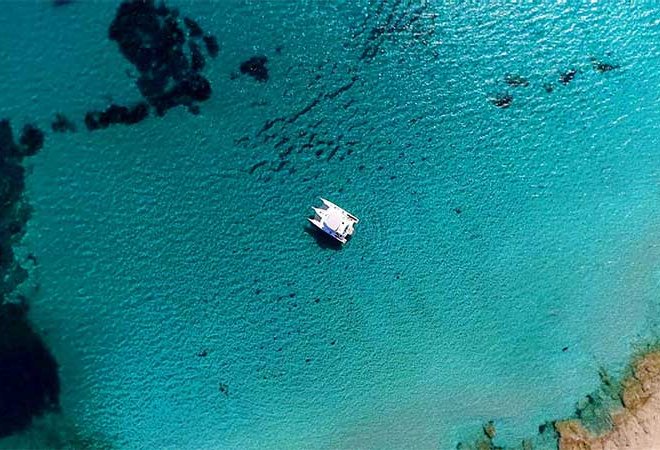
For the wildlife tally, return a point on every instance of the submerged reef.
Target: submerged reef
(516, 80)
(59, 431)
(600, 66)
(14, 213)
(304, 134)
(152, 39)
(483, 442)
(567, 77)
(115, 114)
(62, 124)
(211, 44)
(502, 100)
(29, 381)
(256, 68)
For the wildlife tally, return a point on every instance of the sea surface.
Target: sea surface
(503, 255)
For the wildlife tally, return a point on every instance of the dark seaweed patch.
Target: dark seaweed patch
(389, 21)
(29, 381)
(116, 114)
(256, 166)
(286, 152)
(280, 166)
(305, 110)
(268, 125)
(196, 58)
(14, 213)
(152, 39)
(31, 140)
(281, 142)
(600, 66)
(516, 80)
(567, 77)
(502, 100)
(194, 30)
(342, 89)
(385, 22)
(333, 152)
(61, 124)
(256, 68)
(212, 46)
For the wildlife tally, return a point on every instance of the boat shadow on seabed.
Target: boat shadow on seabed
(323, 240)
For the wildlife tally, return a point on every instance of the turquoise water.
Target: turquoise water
(160, 242)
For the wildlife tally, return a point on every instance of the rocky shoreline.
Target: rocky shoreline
(635, 426)
(622, 414)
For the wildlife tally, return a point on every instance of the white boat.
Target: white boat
(334, 221)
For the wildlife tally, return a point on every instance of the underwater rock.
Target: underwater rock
(194, 29)
(600, 66)
(549, 87)
(31, 140)
(256, 68)
(187, 92)
(12, 180)
(485, 442)
(567, 77)
(116, 114)
(197, 59)
(61, 2)
(489, 430)
(502, 100)
(8, 147)
(61, 124)
(516, 80)
(152, 39)
(14, 213)
(620, 414)
(30, 382)
(212, 46)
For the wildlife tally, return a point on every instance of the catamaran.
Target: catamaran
(334, 221)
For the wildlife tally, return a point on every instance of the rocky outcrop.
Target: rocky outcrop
(635, 426)
(29, 380)
(168, 59)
